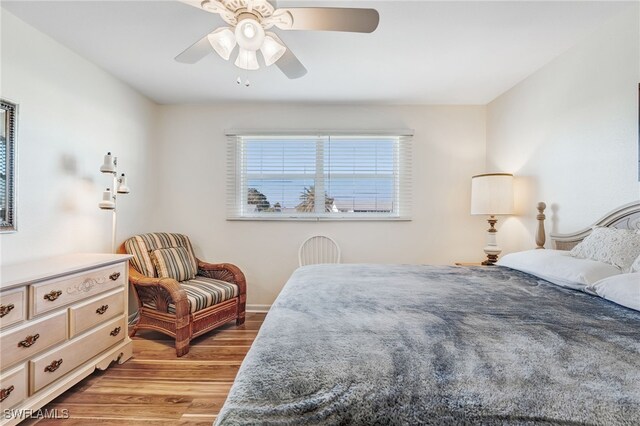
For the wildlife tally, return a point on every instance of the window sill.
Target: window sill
(321, 219)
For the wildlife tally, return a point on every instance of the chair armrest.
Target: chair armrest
(160, 292)
(225, 272)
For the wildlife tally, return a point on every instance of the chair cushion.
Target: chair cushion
(203, 292)
(140, 247)
(174, 262)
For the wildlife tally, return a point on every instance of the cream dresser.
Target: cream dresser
(60, 319)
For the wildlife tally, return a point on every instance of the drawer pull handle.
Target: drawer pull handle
(5, 309)
(114, 276)
(102, 309)
(29, 341)
(4, 393)
(53, 366)
(53, 295)
(115, 331)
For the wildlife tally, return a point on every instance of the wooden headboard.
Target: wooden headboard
(625, 217)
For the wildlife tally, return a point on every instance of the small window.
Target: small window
(326, 177)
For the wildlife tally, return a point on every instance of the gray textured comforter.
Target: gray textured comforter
(385, 344)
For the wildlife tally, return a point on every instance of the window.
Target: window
(319, 177)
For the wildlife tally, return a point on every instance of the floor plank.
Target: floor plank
(156, 388)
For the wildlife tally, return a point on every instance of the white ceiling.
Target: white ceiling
(423, 52)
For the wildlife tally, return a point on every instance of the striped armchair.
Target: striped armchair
(178, 294)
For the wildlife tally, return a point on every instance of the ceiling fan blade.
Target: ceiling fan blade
(195, 3)
(213, 6)
(290, 65)
(195, 52)
(334, 19)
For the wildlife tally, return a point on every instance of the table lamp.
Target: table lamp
(492, 195)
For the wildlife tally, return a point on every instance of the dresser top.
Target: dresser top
(37, 270)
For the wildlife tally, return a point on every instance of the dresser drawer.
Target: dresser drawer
(27, 340)
(13, 387)
(13, 306)
(54, 364)
(87, 314)
(52, 294)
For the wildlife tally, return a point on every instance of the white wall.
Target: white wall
(570, 133)
(449, 147)
(71, 113)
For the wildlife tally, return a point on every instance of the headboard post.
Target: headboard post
(541, 236)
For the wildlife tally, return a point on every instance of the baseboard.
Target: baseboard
(258, 308)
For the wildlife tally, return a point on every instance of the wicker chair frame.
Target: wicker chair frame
(183, 326)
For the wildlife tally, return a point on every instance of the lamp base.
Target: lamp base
(491, 260)
(492, 250)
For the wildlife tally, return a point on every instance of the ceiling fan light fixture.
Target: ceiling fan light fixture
(247, 60)
(272, 49)
(248, 30)
(249, 34)
(223, 42)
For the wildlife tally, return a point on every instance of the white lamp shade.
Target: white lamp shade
(272, 49)
(223, 42)
(492, 194)
(122, 185)
(247, 60)
(107, 201)
(249, 34)
(109, 164)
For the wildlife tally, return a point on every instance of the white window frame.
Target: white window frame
(237, 178)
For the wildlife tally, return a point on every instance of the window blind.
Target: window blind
(319, 176)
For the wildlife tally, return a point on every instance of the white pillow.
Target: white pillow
(558, 267)
(619, 247)
(623, 289)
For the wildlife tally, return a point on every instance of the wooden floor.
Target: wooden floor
(156, 388)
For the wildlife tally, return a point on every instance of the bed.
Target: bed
(416, 344)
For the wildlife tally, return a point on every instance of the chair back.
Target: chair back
(318, 249)
(140, 246)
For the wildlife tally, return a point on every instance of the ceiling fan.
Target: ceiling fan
(248, 21)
